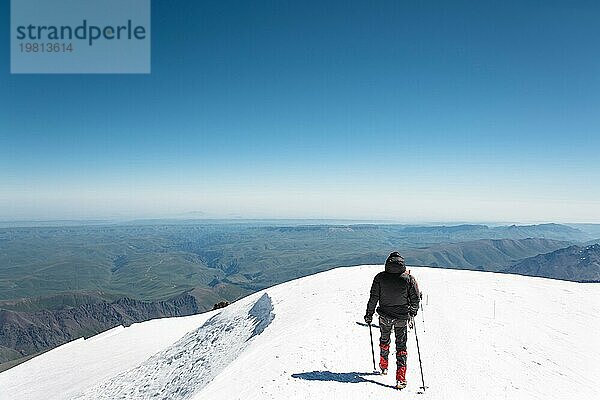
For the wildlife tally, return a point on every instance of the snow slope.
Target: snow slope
(485, 335)
(63, 372)
(193, 361)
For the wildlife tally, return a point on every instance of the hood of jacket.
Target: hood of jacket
(395, 264)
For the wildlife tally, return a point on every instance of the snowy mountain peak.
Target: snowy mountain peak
(481, 335)
(593, 247)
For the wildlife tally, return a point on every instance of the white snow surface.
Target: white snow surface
(484, 335)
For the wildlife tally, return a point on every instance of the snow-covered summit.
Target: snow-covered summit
(482, 335)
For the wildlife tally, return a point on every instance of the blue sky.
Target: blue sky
(409, 111)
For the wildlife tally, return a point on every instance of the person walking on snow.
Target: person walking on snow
(398, 296)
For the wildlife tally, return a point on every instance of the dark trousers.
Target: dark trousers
(386, 325)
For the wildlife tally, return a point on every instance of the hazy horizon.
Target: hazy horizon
(166, 220)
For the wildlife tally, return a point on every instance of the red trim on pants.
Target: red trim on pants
(401, 374)
(383, 363)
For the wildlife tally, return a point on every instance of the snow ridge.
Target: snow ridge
(192, 362)
(481, 335)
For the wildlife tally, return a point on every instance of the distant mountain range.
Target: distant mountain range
(426, 234)
(58, 283)
(590, 229)
(27, 333)
(574, 263)
(484, 254)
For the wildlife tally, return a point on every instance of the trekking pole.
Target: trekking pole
(419, 352)
(423, 316)
(372, 351)
(422, 313)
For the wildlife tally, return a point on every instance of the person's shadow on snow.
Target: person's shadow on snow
(343, 377)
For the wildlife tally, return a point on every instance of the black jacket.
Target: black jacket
(396, 291)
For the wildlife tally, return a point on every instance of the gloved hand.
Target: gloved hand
(411, 323)
(368, 318)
